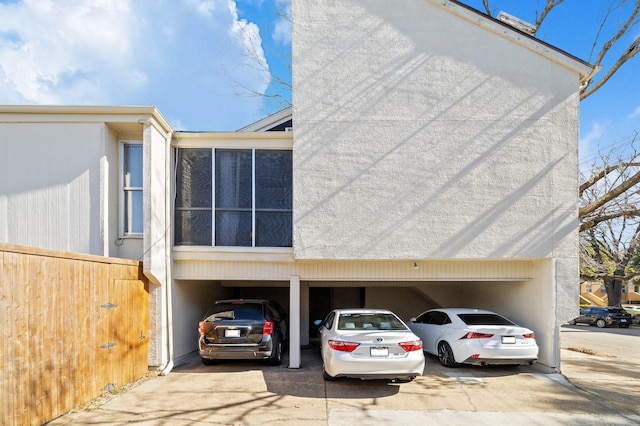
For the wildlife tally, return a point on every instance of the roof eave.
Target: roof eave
(555, 54)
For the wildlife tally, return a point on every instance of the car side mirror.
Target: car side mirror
(412, 319)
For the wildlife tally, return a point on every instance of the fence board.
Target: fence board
(52, 326)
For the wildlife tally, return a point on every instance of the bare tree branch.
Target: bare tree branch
(586, 90)
(547, 9)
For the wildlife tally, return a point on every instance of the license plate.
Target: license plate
(379, 352)
(508, 339)
(623, 320)
(232, 333)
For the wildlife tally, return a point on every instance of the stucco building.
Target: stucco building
(430, 158)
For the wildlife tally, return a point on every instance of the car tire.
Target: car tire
(276, 357)
(445, 355)
(600, 323)
(624, 326)
(207, 361)
(326, 375)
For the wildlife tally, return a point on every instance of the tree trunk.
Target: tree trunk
(614, 291)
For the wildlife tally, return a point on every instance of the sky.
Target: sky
(200, 62)
(195, 60)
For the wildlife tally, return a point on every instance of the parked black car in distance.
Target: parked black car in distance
(609, 316)
(243, 329)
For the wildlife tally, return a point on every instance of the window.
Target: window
(234, 197)
(589, 288)
(132, 213)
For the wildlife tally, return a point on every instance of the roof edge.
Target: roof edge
(269, 121)
(79, 110)
(468, 13)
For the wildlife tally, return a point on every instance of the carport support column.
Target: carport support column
(294, 321)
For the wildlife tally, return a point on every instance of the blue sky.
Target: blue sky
(195, 59)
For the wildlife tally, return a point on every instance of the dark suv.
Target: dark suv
(243, 329)
(603, 317)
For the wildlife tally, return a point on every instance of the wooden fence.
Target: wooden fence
(71, 328)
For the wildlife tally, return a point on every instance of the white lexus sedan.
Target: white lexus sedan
(369, 344)
(474, 336)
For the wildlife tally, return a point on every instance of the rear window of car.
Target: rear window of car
(247, 311)
(373, 321)
(484, 319)
(616, 311)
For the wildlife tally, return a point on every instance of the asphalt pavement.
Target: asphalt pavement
(592, 389)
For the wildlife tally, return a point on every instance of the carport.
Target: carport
(519, 289)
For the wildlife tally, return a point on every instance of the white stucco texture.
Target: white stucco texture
(422, 135)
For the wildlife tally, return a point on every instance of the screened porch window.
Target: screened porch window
(234, 197)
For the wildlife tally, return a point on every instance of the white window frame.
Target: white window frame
(123, 190)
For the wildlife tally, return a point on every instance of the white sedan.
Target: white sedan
(369, 344)
(474, 336)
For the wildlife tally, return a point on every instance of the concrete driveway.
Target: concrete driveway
(251, 393)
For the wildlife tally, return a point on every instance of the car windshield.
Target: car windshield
(484, 319)
(247, 311)
(369, 321)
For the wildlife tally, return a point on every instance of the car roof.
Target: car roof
(362, 311)
(458, 311)
(242, 301)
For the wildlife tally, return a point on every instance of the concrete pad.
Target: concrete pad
(253, 393)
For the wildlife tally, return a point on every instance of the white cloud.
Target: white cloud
(187, 58)
(282, 29)
(59, 51)
(590, 142)
(635, 113)
(204, 7)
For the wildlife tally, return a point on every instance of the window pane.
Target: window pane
(133, 212)
(133, 165)
(273, 229)
(233, 228)
(273, 179)
(193, 228)
(233, 179)
(193, 183)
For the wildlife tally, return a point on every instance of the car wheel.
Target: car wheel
(624, 326)
(600, 323)
(276, 357)
(326, 375)
(207, 361)
(445, 355)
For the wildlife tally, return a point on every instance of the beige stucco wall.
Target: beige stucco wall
(422, 135)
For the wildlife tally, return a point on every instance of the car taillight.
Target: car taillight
(268, 328)
(476, 335)
(414, 345)
(201, 326)
(531, 335)
(341, 346)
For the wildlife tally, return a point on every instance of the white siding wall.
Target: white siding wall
(50, 185)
